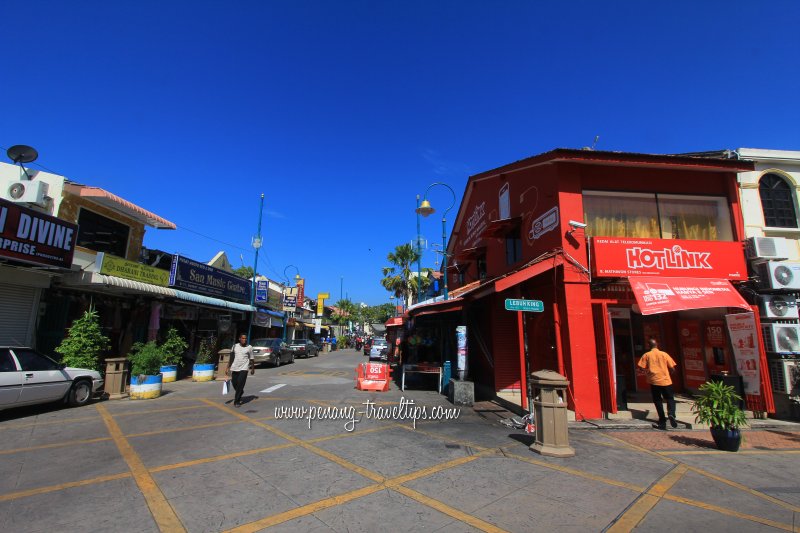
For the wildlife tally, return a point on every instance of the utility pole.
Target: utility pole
(257, 246)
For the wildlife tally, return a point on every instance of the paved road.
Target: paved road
(189, 461)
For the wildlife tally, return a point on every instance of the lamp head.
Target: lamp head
(425, 208)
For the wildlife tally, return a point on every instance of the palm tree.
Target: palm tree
(398, 277)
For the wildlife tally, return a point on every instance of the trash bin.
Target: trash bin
(622, 393)
(116, 378)
(223, 362)
(550, 414)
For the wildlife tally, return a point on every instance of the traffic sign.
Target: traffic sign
(533, 306)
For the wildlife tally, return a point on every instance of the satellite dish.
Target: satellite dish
(19, 153)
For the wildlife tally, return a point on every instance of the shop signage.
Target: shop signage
(694, 369)
(261, 291)
(742, 331)
(33, 237)
(301, 295)
(657, 294)
(321, 297)
(618, 257)
(533, 306)
(289, 303)
(111, 265)
(204, 279)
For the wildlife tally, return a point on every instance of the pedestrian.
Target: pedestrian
(241, 361)
(659, 365)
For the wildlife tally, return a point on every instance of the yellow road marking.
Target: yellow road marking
(310, 447)
(62, 486)
(579, 473)
(739, 486)
(645, 503)
(729, 512)
(163, 513)
(217, 458)
(157, 411)
(56, 445)
(175, 430)
(474, 521)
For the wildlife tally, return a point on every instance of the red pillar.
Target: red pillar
(580, 354)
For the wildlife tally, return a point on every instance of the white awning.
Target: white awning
(214, 302)
(87, 279)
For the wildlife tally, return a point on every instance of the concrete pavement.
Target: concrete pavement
(189, 461)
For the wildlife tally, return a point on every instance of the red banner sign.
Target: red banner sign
(618, 257)
(657, 294)
(694, 369)
(33, 237)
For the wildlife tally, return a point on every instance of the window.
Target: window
(6, 362)
(102, 234)
(31, 360)
(777, 202)
(481, 264)
(657, 216)
(513, 247)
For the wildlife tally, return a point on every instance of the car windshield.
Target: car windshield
(264, 342)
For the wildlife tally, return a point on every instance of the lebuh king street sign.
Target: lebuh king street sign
(533, 306)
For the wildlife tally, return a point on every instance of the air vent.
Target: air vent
(781, 338)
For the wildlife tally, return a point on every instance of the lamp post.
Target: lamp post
(257, 245)
(426, 209)
(419, 255)
(289, 284)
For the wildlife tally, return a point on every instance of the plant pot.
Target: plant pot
(145, 387)
(727, 440)
(169, 373)
(203, 372)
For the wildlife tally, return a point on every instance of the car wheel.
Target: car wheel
(80, 393)
(291, 359)
(277, 361)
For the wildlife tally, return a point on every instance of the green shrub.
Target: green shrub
(173, 347)
(146, 359)
(207, 352)
(84, 342)
(718, 406)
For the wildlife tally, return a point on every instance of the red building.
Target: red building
(618, 247)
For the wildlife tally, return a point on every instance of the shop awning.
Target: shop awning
(120, 205)
(527, 273)
(270, 312)
(657, 294)
(213, 302)
(442, 306)
(88, 279)
(394, 322)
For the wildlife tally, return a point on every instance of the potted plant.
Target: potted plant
(146, 360)
(718, 407)
(203, 369)
(172, 350)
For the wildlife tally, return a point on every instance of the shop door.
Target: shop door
(623, 343)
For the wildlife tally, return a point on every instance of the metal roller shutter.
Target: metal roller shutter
(17, 314)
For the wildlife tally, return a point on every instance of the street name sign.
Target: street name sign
(533, 306)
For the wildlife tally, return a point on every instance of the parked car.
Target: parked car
(273, 351)
(28, 377)
(303, 348)
(379, 349)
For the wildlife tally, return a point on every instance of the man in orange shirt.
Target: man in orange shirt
(659, 365)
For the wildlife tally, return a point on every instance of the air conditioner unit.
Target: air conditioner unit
(780, 274)
(785, 376)
(781, 338)
(30, 192)
(766, 248)
(779, 306)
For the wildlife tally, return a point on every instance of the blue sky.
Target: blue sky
(342, 112)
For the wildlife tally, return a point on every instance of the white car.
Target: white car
(378, 349)
(28, 377)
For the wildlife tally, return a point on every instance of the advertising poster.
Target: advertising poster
(715, 345)
(694, 369)
(742, 330)
(461, 345)
(301, 294)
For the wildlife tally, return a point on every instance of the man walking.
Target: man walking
(659, 365)
(241, 360)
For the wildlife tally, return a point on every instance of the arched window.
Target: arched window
(777, 202)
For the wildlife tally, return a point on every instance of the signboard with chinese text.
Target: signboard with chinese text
(32, 237)
(621, 257)
(301, 295)
(204, 279)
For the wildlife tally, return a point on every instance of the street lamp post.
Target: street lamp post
(426, 209)
(289, 284)
(257, 245)
(419, 256)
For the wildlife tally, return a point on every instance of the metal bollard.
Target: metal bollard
(550, 414)
(116, 378)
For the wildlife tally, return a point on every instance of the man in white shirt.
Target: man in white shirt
(241, 361)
